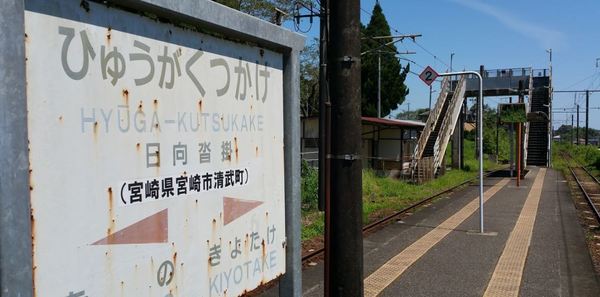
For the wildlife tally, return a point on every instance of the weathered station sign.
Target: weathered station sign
(157, 158)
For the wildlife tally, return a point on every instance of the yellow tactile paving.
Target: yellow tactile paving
(506, 279)
(390, 271)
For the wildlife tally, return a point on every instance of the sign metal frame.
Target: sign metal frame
(16, 224)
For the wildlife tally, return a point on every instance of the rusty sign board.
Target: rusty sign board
(156, 157)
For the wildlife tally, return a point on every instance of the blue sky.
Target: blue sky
(499, 34)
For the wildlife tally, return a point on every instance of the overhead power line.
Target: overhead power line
(389, 44)
(430, 53)
(582, 80)
(435, 57)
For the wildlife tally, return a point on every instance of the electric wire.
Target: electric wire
(435, 57)
(580, 81)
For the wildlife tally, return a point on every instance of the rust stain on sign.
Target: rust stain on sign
(235, 208)
(33, 248)
(126, 96)
(237, 156)
(111, 219)
(153, 229)
(108, 34)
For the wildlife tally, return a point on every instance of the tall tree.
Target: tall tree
(393, 89)
(264, 9)
(309, 58)
(309, 79)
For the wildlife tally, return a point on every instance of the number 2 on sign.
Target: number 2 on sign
(428, 75)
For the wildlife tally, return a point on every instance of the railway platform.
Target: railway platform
(533, 245)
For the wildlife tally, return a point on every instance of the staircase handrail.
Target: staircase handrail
(449, 123)
(431, 121)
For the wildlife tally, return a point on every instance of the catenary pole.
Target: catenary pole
(587, 110)
(577, 131)
(346, 263)
(587, 115)
(379, 84)
(571, 129)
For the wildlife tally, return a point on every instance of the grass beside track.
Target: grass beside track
(383, 196)
(583, 155)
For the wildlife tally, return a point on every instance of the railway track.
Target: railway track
(588, 184)
(386, 220)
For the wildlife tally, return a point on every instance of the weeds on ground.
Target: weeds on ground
(586, 155)
(382, 195)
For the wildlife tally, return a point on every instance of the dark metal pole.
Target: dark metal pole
(378, 84)
(510, 144)
(323, 103)
(577, 131)
(346, 263)
(324, 135)
(462, 134)
(518, 154)
(497, 133)
(587, 114)
(572, 129)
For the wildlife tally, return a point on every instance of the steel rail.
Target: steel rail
(374, 225)
(588, 199)
(585, 193)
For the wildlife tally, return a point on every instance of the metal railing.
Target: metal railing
(540, 72)
(507, 72)
(449, 123)
(431, 122)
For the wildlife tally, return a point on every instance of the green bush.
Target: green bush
(597, 163)
(310, 187)
(586, 155)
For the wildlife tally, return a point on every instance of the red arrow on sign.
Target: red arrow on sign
(234, 208)
(428, 75)
(153, 229)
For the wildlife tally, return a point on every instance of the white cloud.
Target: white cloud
(546, 38)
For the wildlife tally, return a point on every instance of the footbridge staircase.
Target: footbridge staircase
(431, 147)
(535, 84)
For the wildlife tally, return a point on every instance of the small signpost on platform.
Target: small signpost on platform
(429, 75)
(514, 113)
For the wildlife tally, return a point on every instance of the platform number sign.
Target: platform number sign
(428, 75)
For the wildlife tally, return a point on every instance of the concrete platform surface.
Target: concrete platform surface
(536, 246)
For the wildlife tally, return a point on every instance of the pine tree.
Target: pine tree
(393, 89)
